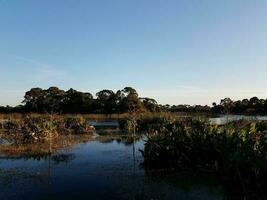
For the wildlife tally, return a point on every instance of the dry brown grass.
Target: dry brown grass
(15, 116)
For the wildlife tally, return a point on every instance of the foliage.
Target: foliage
(245, 106)
(39, 129)
(77, 125)
(127, 100)
(55, 100)
(147, 123)
(237, 151)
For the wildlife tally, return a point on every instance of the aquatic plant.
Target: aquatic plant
(38, 129)
(236, 152)
(125, 125)
(77, 125)
(148, 123)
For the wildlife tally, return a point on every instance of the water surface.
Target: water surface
(222, 119)
(106, 167)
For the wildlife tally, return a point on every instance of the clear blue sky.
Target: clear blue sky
(190, 51)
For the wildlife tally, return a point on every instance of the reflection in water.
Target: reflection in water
(107, 167)
(9, 176)
(42, 150)
(63, 158)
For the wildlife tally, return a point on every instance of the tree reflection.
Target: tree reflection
(44, 150)
(127, 140)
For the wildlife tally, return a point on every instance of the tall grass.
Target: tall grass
(86, 116)
(154, 122)
(101, 116)
(235, 152)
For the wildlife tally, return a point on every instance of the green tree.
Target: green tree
(106, 101)
(150, 104)
(227, 105)
(130, 101)
(33, 99)
(78, 102)
(53, 99)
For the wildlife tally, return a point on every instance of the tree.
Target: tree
(106, 101)
(150, 104)
(227, 105)
(265, 106)
(254, 101)
(53, 99)
(130, 101)
(238, 107)
(33, 100)
(39, 100)
(78, 102)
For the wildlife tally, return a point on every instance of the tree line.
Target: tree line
(55, 100)
(250, 106)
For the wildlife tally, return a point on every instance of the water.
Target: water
(114, 124)
(85, 168)
(222, 119)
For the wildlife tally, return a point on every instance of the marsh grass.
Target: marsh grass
(100, 117)
(154, 122)
(15, 116)
(235, 152)
(35, 129)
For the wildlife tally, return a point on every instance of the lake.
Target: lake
(222, 119)
(104, 167)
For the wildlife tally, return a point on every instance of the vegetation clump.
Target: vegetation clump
(39, 129)
(77, 125)
(236, 152)
(147, 123)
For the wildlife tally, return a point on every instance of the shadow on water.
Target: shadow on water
(82, 167)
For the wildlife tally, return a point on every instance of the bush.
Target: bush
(38, 129)
(236, 151)
(78, 125)
(145, 124)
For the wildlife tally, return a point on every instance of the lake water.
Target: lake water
(103, 167)
(94, 168)
(104, 124)
(222, 119)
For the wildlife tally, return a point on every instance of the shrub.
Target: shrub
(146, 124)
(78, 125)
(38, 129)
(236, 151)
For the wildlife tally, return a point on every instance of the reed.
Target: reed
(235, 152)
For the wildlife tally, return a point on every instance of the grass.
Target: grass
(235, 152)
(16, 116)
(102, 116)
(150, 122)
(39, 128)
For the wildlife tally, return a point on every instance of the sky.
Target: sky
(176, 51)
